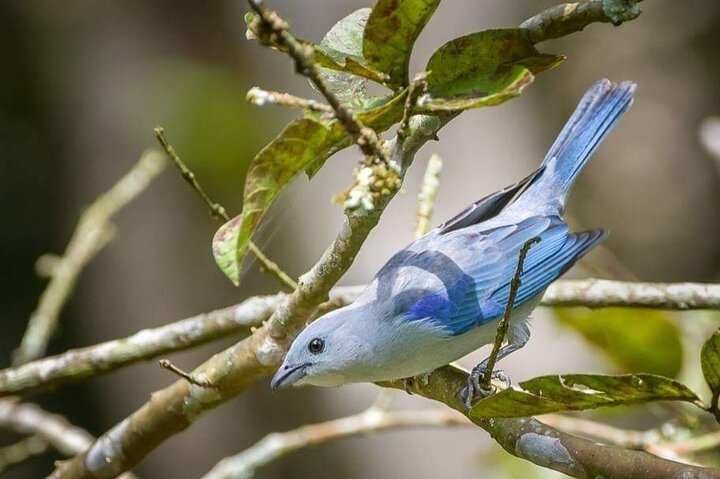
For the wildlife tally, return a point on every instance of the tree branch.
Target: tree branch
(53, 429)
(376, 419)
(21, 451)
(562, 20)
(599, 293)
(102, 358)
(147, 344)
(89, 237)
(530, 439)
(26, 418)
(274, 446)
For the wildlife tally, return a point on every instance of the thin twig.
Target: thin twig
(366, 138)
(428, 192)
(504, 323)
(89, 236)
(218, 211)
(166, 364)
(564, 19)
(276, 445)
(689, 446)
(630, 439)
(259, 97)
(654, 441)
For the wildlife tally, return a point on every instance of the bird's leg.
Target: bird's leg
(473, 388)
(514, 342)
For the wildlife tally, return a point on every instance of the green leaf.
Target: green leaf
(390, 35)
(379, 113)
(710, 362)
(322, 55)
(637, 340)
(483, 69)
(514, 83)
(346, 37)
(305, 144)
(273, 168)
(575, 392)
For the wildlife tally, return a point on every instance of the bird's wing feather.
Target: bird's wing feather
(477, 267)
(489, 206)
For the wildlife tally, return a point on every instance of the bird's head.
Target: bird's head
(331, 351)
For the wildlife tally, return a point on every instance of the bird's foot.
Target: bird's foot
(474, 390)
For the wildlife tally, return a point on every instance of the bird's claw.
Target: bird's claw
(474, 390)
(502, 376)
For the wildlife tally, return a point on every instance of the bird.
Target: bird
(442, 297)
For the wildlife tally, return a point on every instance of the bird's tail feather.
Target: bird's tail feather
(595, 116)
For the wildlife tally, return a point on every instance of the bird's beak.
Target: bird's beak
(287, 375)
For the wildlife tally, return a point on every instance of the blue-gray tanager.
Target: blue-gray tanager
(441, 297)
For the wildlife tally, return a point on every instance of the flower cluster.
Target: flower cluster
(371, 182)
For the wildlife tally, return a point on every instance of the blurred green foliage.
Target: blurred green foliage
(635, 340)
(203, 109)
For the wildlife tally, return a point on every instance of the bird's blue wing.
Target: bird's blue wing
(538, 276)
(479, 295)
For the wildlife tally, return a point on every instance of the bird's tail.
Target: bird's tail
(599, 110)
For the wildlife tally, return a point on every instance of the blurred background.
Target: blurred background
(84, 83)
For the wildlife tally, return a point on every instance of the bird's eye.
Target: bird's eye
(316, 346)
